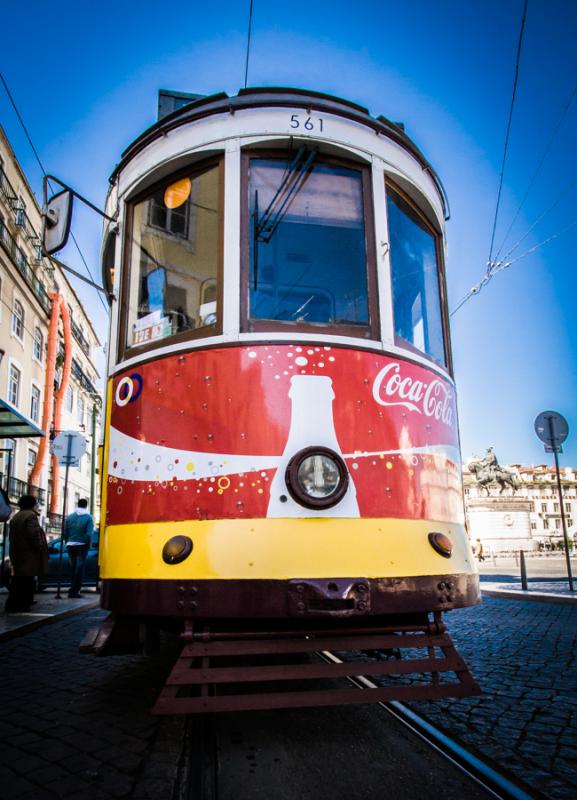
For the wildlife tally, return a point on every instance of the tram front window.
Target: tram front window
(307, 244)
(174, 260)
(415, 276)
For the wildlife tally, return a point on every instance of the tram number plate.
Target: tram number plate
(307, 123)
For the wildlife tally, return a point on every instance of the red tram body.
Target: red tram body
(281, 429)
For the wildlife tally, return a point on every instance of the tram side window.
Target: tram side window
(174, 260)
(415, 278)
(307, 244)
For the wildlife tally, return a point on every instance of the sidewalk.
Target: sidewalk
(47, 608)
(538, 591)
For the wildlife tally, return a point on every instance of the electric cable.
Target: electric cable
(514, 94)
(31, 143)
(501, 265)
(538, 169)
(248, 44)
(563, 194)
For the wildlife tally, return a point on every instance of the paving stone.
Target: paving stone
(524, 655)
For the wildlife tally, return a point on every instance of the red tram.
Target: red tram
(281, 448)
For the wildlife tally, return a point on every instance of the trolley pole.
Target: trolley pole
(563, 521)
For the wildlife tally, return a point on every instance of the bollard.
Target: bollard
(523, 570)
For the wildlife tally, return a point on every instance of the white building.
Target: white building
(28, 284)
(533, 513)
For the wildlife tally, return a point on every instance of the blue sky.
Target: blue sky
(85, 78)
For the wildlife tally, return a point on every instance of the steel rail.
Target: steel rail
(497, 784)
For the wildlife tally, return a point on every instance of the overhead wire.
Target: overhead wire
(538, 168)
(509, 121)
(31, 143)
(248, 44)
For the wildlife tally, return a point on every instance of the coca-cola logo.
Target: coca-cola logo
(434, 399)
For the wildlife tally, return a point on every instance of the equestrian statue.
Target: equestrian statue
(487, 470)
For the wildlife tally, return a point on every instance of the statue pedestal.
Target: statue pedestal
(503, 524)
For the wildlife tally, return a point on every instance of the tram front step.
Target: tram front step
(241, 675)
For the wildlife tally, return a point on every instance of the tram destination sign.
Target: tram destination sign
(552, 429)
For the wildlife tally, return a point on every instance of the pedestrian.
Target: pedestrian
(479, 550)
(78, 530)
(28, 555)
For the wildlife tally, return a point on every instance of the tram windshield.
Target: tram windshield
(308, 259)
(174, 252)
(415, 277)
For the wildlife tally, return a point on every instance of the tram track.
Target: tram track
(485, 775)
(205, 774)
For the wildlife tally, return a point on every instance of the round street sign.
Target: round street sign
(552, 428)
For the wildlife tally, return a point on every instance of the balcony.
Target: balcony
(79, 375)
(80, 338)
(17, 488)
(18, 258)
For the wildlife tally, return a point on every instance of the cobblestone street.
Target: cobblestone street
(524, 655)
(78, 727)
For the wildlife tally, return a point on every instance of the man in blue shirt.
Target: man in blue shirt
(78, 531)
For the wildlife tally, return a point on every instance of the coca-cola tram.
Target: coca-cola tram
(281, 464)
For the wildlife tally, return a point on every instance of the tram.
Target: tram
(281, 449)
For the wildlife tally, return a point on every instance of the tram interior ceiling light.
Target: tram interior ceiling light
(317, 477)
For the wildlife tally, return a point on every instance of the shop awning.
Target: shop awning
(15, 426)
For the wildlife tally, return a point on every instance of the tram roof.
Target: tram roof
(279, 97)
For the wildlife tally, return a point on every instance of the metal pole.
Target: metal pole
(523, 570)
(5, 526)
(62, 527)
(563, 522)
(93, 460)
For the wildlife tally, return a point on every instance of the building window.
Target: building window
(533, 525)
(38, 346)
(568, 507)
(35, 404)
(18, 319)
(546, 524)
(20, 213)
(80, 409)
(14, 377)
(569, 523)
(531, 507)
(556, 507)
(70, 399)
(544, 508)
(557, 523)
(9, 444)
(32, 454)
(170, 218)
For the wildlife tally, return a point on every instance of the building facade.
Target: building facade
(28, 285)
(532, 514)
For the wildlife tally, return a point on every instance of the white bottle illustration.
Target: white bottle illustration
(312, 424)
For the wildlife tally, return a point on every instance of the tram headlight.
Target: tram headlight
(317, 477)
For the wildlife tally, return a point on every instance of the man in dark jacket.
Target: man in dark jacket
(28, 555)
(77, 535)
